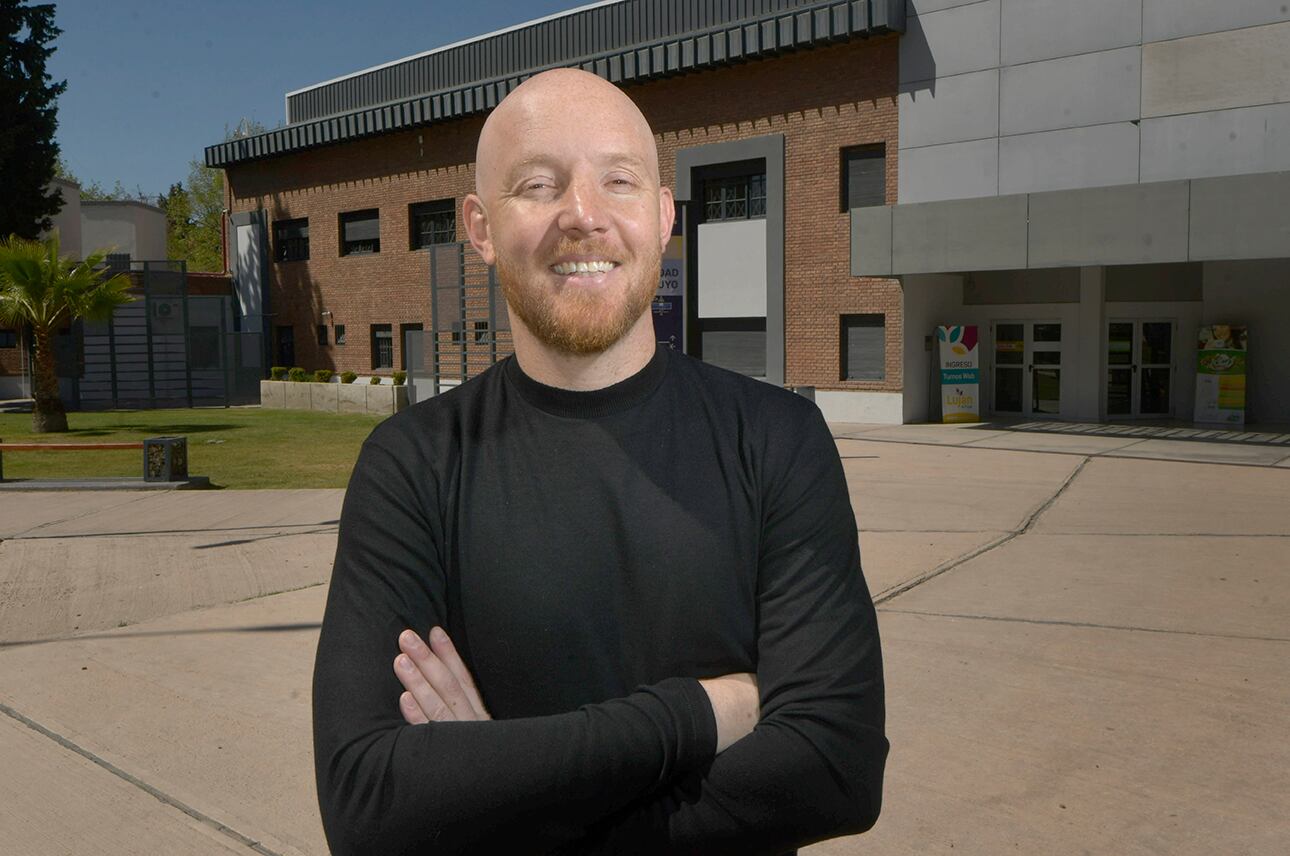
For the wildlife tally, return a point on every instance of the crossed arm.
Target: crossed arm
(439, 688)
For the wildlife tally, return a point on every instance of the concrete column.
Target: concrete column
(1087, 338)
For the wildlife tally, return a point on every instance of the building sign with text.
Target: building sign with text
(960, 374)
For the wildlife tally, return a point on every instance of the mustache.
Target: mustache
(598, 247)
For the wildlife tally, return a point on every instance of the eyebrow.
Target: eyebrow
(611, 158)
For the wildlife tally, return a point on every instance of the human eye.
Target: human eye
(620, 183)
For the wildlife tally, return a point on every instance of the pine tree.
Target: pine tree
(28, 119)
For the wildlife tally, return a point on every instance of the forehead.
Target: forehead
(592, 126)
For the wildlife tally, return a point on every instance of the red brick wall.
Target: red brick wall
(821, 101)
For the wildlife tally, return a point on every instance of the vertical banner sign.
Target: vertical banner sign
(668, 307)
(1220, 374)
(960, 374)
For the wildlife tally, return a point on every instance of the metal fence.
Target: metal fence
(469, 325)
(166, 349)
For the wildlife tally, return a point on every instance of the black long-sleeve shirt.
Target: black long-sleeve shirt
(593, 554)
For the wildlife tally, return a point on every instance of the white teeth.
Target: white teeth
(566, 268)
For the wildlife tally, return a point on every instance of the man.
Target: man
(639, 575)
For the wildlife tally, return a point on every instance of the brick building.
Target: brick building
(773, 119)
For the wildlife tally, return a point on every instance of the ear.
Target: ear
(481, 237)
(666, 216)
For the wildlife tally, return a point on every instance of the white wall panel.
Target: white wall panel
(1089, 89)
(1217, 142)
(954, 171)
(732, 269)
(949, 42)
(1044, 29)
(1217, 71)
(1172, 19)
(1095, 156)
(953, 109)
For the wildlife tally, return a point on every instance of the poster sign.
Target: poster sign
(960, 374)
(1220, 374)
(668, 307)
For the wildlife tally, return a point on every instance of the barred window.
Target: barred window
(433, 223)
(382, 346)
(360, 232)
(740, 198)
(864, 176)
(291, 240)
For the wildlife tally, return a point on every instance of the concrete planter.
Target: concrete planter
(375, 399)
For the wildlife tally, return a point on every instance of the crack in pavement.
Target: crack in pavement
(328, 527)
(158, 794)
(945, 567)
(82, 515)
(1088, 624)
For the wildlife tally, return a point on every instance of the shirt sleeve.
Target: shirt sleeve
(813, 766)
(388, 787)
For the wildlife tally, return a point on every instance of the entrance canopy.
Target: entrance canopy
(1201, 219)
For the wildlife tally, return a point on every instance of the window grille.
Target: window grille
(360, 232)
(291, 240)
(433, 223)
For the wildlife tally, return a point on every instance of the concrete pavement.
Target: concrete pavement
(1087, 651)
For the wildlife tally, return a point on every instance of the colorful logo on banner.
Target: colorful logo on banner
(960, 374)
(1220, 374)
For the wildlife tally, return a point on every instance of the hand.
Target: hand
(735, 704)
(439, 687)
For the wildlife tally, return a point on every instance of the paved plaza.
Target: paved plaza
(1086, 634)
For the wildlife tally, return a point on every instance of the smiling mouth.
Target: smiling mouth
(590, 268)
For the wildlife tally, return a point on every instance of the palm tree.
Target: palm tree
(46, 291)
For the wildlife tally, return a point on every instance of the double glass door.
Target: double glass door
(1139, 368)
(1028, 367)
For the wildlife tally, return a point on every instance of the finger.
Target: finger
(412, 712)
(442, 646)
(430, 702)
(441, 679)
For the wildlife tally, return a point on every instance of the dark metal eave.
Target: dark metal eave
(822, 24)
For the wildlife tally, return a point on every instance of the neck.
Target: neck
(583, 372)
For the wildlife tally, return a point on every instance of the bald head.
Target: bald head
(578, 102)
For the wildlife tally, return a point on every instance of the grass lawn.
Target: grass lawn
(235, 447)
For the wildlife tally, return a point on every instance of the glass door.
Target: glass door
(1009, 368)
(1028, 367)
(1139, 368)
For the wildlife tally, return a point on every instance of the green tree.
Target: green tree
(194, 218)
(28, 118)
(46, 291)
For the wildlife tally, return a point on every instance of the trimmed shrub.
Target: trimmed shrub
(399, 378)
(323, 375)
(298, 374)
(348, 377)
(278, 373)
(374, 380)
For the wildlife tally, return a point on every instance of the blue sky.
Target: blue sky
(151, 83)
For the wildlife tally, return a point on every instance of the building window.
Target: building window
(8, 338)
(340, 334)
(291, 240)
(433, 223)
(742, 197)
(286, 349)
(382, 346)
(864, 176)
(360, 232)
(322, 335)
(863, 343)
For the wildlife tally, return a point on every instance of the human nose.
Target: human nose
(583, 211)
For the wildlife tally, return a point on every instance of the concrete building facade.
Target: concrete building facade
(1086, 178)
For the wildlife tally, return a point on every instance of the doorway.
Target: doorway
(1139, 369)
(1027, 368)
